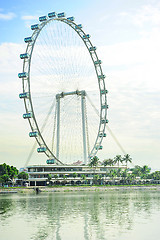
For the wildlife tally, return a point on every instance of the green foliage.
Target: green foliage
(4, 178)
(9, 170)
(94, 161)
(74, 175)
(7, 173)
(155, 175)
(117, 159)
(23, 175)
(49, 177)
(83, 177)
(127, 159)
(142, 172)
(108, 162)
(55, 176)
(64, 176)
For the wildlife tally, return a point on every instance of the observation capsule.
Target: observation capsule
(50, 161)
(71, 18)
(60, 15)
(24, 55)
(43, 18)
(27, 115)
(86, 36)
(99, 147)
(28, 39)
(33, 134)
(104, 91)
(102, 135)
(92, 49)
(78, 26)
(23, 75)
(35, 26)
(98, 62)
(41, 149)
(105, 106)
(104, 121)
(24, 95)
(52, 14)
(101, 77)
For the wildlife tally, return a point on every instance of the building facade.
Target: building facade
(42, 175)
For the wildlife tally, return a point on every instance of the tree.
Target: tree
(112, 174)
(155, 175)
(95, 179)
(23, 176)
(4, 178)
(55, 176)
(9, 170)
(3, 169)
(117, 159)
(64, 179)
(74, 175)
(64, 176)
(108, 162)
(145, 169)
(49, 178)
(13, 172)
(127, 159)
(119, 172)
(83, 177)
(124, 175)
(94, 162)
(136, 171)
(101, 179)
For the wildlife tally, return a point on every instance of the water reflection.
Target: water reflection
(94, 215)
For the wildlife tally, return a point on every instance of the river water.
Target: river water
(110, 215)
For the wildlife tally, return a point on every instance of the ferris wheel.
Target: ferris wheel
(63, 81)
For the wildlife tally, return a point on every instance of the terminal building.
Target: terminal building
(68, 174)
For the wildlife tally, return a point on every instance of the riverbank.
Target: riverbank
(77, 188)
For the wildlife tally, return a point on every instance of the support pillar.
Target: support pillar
(58, 126)
(84, 128)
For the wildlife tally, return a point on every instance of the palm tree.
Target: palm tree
(96, 178)
(108, 162)
(127, 159)
(64, 177)
(55, 176)
(119, 172)
(136, 171)
(49, 177)
(112, 174)
(83, 177)
(117, 159)
(145, 170)
(94, 162)
(124, 175)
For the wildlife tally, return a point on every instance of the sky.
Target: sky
(127, 36)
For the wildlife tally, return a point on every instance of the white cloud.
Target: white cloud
(7, 16)
(146, 14)
(29, 17)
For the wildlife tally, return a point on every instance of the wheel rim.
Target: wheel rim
(29, 102)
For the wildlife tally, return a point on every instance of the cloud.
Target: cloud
(7, 16)
(29, 17)
(146, 14)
